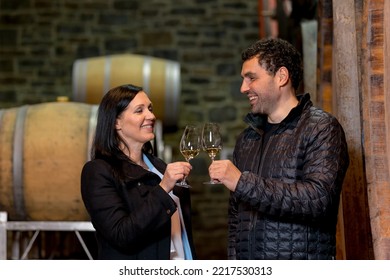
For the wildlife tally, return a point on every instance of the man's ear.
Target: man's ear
(283, 76)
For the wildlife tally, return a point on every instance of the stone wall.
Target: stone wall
(40, 40)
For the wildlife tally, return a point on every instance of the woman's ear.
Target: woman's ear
(118, 124)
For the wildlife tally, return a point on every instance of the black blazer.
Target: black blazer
(132, 220)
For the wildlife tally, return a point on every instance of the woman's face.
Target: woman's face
(136, 123)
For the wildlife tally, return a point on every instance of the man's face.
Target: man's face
(260, 87)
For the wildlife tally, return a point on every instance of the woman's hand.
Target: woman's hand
(174, 172)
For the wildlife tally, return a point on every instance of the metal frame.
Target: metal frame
(37, 227)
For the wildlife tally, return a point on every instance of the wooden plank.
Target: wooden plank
(376, 107)
(324, 55)
(346, 104)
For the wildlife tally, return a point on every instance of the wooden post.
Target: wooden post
(324, 55)
(375, 119)
(324, 92)
(346, 103)
(268, 26)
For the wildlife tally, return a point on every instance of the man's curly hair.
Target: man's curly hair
(273, 53)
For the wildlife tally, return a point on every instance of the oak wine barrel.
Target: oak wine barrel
(42, 150)
(160, 78)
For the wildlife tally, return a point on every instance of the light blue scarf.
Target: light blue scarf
(186, 244)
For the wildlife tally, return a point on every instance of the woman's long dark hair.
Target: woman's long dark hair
(107, 143)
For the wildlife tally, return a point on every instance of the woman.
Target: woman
(130, 194)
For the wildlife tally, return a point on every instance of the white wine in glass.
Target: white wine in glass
(211, 142)
(190, 145)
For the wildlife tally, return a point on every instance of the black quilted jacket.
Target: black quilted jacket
(286, 202)
(132, 220)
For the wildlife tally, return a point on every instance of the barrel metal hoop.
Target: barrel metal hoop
(1, 114)
(172, 91)
(91, 129)
(146, 70)
(107, 75)
(19, 205)
(79, 80)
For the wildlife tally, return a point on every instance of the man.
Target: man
(288, 164)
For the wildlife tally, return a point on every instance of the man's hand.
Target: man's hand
(225, 172)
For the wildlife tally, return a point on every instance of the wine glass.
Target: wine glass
(211, 142)
(189, 147)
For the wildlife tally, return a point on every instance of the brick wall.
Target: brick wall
(40, 40)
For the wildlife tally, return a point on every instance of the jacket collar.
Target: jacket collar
(138, 171)
(258, 121)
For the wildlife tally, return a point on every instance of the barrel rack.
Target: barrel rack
(37, 227)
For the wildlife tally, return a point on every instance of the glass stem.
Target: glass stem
(212, 160)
